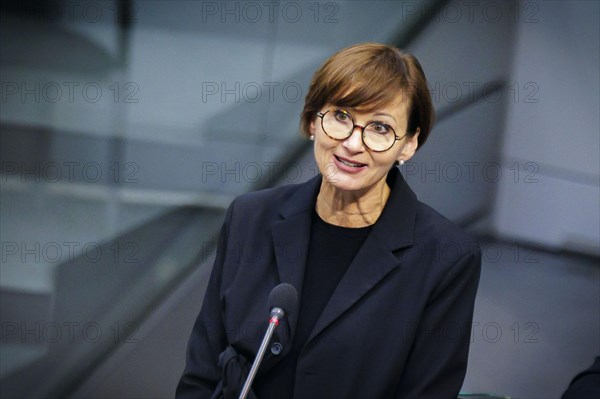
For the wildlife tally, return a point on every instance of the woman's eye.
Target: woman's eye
(380, 128)
(341, 116)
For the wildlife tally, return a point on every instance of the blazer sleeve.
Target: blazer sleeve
(437, 363)
(208, 338)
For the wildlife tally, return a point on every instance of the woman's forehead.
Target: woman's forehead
(397, 108)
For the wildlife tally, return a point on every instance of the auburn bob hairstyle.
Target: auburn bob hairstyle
(368, 76)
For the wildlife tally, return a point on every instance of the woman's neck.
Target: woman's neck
(351, 208)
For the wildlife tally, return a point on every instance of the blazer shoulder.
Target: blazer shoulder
(454, 256)
(433, 228)
(263, 205)
(267, 196)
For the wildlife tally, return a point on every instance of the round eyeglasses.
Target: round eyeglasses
(339, 125)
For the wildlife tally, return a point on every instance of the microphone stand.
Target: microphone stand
(276, 314)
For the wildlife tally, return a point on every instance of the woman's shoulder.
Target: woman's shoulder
(432, 228)
(264, 204)
(267, 196)
(450, 253)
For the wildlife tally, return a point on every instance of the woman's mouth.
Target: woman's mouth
(348, 165)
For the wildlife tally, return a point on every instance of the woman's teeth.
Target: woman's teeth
(354, 165)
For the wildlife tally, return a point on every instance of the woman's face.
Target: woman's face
(367, 167)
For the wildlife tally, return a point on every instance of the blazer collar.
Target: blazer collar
(393, 230)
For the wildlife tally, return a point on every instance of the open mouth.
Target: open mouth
(350, 164)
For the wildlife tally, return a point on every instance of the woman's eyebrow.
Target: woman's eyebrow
(385, 114)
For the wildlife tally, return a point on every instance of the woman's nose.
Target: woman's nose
(354, 142)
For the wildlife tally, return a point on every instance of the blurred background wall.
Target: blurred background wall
(127, 127)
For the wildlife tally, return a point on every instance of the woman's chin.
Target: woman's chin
(346, 183)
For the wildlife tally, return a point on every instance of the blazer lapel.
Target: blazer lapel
(375, 260)
(291, 237)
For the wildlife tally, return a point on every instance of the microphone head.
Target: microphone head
(284, 296)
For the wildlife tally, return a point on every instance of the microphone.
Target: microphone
(283, 301)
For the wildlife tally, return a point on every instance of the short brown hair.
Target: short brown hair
(371, 75)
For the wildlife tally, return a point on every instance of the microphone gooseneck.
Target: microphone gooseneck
(283, 301)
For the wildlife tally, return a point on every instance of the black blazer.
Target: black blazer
(397, 326)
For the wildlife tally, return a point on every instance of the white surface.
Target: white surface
(559, 133)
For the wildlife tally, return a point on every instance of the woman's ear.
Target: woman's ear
(410, 146)
(312, 127)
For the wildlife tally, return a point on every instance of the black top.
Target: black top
(331, 250)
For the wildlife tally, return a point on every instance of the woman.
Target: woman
(386, 284)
